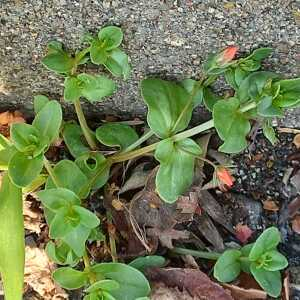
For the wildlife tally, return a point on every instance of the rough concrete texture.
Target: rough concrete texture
(168, 38)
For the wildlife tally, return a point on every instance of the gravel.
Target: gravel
(166, 38)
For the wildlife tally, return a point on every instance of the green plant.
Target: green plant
(261, 259)
(258, 96)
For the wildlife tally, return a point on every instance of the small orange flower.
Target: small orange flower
(227, 55)
(224, 177)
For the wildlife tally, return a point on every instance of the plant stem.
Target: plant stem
(49, 169)
(247, 107)
(141, 140)
(84, 126)
(112, 241)
(196, 253)
(179, 136)
(87, 267)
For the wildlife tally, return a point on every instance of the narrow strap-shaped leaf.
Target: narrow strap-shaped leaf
(12, 247)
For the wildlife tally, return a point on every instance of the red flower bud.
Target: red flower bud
(227, 55)
(224, 177)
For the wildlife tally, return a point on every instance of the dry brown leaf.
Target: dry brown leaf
(270, 205)
(239, 293)
(286, 287)
(188, 204)
(167, 236)
(161, 292)
(294, 206)
(243, 232)
(288, 130)
(38, 271)
(7, 117)
(209, 231)
(296, 140)
(32, 219)
(296, 224)
(195, 282)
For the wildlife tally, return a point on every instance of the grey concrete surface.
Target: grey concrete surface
(170, 38)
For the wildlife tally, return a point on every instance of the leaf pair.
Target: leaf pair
(104, 50)
(91, 87)
(169, 112)
(261, 259)
(57, 59)
(30, 142)
(68, 220)
(121, 281)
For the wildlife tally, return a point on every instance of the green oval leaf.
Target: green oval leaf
(275, 261)
(98, 52)
(69, 176)
(86, 217)
(74, 139)
(106, 284)
(118, 64)
(39, 101)
(48, 120)
(133, 283)
(228, 266)
(72, 91)
(59, 62)
(111, 37)
(169, 106)
(23, 170)
(231, 125)
(176, 170)
(269, 281)
(95, 87)
(268, 240)
(57, 198)
(69, 278)
(116, 134)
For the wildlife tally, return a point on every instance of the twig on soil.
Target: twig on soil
(288, 130)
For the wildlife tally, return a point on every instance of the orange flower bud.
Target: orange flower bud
(224, 177)
(227, 55)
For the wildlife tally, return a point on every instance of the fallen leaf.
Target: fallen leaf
(295, 181)
(270, 205)
(213, 208)
(240, 293)
(7, 117)
(137, 179)
(243, 232)
(296, 140)
(188, 204)
(161, 292)
(38, 269)
(166, 237)
(294, 206)
(296, 224)
(195, 282)
(32, 218)
(209, 231)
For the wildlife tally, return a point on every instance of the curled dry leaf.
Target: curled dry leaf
(270, 205)
(296, 224)
(38, 271)
(195, 282)
(240, 293)
(295, 181)
(296, 140)
(32, 219)
(243, 232)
